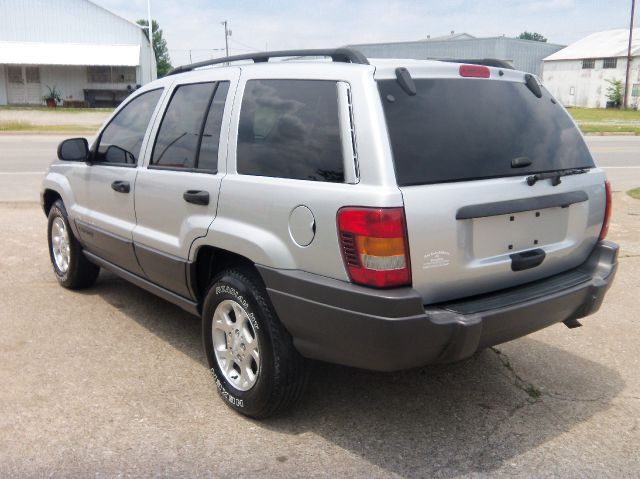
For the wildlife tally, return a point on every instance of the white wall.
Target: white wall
(72, 21)
(3, 86)
(574, 86)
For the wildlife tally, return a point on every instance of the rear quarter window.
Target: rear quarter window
(465, 129)
(290, 129)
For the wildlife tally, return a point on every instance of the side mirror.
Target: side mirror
(74, 149)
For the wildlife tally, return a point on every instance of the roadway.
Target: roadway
(24, 158)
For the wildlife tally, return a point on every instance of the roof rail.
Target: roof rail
(344, 55)
(488, 62)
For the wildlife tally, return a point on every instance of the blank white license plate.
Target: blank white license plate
(496, 235)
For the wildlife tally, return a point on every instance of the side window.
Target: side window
(208, 156)
(178, 140)
(290, 129)
(121, 140)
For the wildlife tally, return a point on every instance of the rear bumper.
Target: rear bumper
(389, 330)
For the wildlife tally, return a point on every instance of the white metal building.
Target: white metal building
(87, 53)
(577, 74)
(524, 55)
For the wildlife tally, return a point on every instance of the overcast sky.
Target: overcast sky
(286, 24)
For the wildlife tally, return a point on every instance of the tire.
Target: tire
(241, 332)
(72, 269)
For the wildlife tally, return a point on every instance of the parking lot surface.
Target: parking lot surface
(112, 381)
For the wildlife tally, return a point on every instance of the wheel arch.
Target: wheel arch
(207, 263)
(49, 197)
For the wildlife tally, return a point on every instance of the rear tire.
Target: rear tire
(72, 269)
(251, 356)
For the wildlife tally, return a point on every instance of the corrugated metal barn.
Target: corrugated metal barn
(524, 55)
(577, 75)
(90, 55)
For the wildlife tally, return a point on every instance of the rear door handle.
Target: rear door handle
(197, 197)
(121, 186)
(527, 259)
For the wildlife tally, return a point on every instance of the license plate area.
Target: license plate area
(506, 234)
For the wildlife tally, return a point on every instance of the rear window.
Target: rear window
(465, 129)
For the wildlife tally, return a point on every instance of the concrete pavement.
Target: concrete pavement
(113, 382)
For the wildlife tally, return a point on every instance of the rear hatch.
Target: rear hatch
(465, 153)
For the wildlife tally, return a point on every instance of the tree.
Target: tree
(536, 37)
(614, 91)
(163, 62)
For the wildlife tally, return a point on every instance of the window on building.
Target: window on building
(100, 74)
(588, 63)
(33, 74)
(289, 129)
(610, 63)
(178, 140)
(121, 140)
(15, 74)
(635, 90)
(123, 75)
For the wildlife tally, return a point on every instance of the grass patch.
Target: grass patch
(634, 193)
(604, 114)
(59, 109)
(590, 128)
(13, 126)
(602, 120)
(534, 392)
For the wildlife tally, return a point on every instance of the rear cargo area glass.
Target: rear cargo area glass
(466, 129)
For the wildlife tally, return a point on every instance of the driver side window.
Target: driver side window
(121, 140)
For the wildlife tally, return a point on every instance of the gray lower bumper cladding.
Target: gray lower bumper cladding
(389, 330)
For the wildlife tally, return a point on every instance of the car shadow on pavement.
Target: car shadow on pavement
(473, 416)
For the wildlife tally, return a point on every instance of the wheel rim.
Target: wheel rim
(235, 343)
(60, 245)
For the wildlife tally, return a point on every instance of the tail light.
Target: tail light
(474, 71)
(374, 246)
(607, 211)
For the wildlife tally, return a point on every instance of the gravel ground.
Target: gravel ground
(113, 382)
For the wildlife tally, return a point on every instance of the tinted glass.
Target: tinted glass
(177, 140)
(462, 129)
(289, 129)
(126, 131)
(208, 156)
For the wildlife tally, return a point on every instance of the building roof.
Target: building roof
(36, 53)
(452, 36)
(607, 44)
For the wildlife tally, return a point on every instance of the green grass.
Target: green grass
(55, 110)
(634, 193)
(24, 126)
(602, 120)
(604, 115)
(633, 130)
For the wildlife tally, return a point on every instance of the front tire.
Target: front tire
(254, 364)
(72, 269)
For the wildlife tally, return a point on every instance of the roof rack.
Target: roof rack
(343, 55)
(488, 62)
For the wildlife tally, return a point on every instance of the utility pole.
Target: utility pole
(150, 40)
(629, 58)
(227, 34)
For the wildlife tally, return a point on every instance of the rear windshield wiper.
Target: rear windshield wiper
(554, 176)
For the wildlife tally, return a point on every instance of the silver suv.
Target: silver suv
(381, 215)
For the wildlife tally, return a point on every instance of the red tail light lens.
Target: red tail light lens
(607, 211)
(374, 246)
(477, 71)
